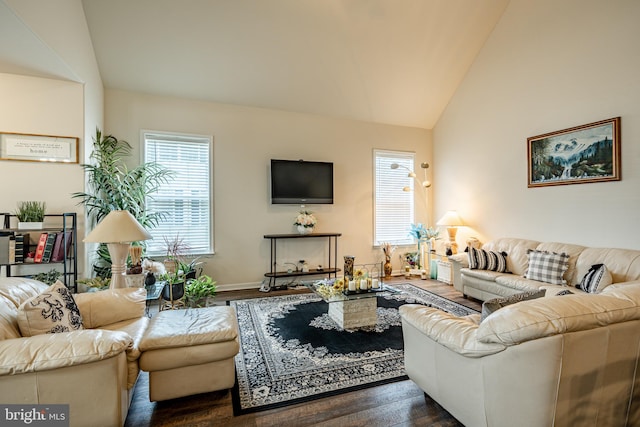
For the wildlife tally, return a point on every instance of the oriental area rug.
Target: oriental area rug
(292, 351)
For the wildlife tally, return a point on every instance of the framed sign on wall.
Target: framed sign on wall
(587, 153)
(38, 148)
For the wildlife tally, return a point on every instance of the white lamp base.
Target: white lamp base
(119, 253)
(452, 231)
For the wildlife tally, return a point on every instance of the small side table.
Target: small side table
(445, 273)
(153, 294)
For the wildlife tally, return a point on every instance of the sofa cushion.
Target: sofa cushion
(517, 249)
(623, 264)
(53, 311)
(596, 279)
(495, 304)
(548, 267)
(574, 251)
(479, 259)
(111, 306)
(553, 316)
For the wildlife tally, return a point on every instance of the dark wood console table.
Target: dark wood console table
(331, 269)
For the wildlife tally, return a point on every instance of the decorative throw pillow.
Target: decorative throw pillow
(479, 259)
(491, 305)
(53, 311)
(597, 278)
(547, 267)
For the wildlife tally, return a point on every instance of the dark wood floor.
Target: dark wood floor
(396, 404)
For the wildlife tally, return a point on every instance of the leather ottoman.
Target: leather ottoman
(190, 351)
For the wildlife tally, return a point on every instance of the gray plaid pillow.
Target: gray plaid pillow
(547, 267)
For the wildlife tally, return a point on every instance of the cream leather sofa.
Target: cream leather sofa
(569, 360)
(93, 370)
(623, 264)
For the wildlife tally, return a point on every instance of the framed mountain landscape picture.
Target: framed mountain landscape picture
(582, 154)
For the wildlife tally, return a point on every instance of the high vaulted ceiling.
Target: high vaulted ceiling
(388, 61)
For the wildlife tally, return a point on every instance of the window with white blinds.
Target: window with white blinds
(187, 199)
(393, 207)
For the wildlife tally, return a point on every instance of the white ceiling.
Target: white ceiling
(388, 61)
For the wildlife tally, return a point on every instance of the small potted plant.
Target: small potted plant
(30, 215)
(199, 292)
(93, 284)
(173, 290)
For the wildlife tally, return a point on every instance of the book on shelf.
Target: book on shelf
(22, 247)
(48, 247)
(61, 246)
(42, 242)
(6, 250)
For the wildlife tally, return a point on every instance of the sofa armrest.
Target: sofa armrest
(458, 334)
(458, 261)
(53, 351)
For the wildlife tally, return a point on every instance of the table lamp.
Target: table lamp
(118, 229)
(452, 221)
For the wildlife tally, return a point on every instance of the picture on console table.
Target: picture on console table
(582, 154)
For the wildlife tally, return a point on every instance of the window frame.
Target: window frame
(407, 159)
(189, 138)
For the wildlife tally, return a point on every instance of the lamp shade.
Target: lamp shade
(118, 227)
(451, 219)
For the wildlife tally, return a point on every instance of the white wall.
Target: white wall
(51, 107)
(548, 65)
(245, 139)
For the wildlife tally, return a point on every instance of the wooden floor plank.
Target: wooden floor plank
(397, 404)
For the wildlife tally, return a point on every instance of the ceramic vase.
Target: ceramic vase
(304, 230)
(388, 268)
(150, 279)
(348, 266)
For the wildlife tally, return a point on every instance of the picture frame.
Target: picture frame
(578, 155)
(39, 148)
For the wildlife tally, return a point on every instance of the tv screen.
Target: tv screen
(300, 182)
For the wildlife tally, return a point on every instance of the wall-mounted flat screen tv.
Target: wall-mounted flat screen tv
(301, 182)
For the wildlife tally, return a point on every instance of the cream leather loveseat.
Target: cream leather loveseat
(93, 370)
(561, 360)
(623, 264)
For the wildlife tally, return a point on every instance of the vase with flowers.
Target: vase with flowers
(388, 251)
(305, 222)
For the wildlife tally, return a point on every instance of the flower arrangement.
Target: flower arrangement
(330, 289)
(420, 231)
(412, 259)
(306, 219)
(388, 250)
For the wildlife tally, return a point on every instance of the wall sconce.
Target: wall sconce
(118, 229)
(452, 221)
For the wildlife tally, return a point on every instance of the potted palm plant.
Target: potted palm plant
(30, 215)
(111, 185)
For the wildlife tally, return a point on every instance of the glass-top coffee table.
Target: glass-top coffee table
(153, 293)
(353, 310)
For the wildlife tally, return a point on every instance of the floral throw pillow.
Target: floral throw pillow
(53, 311)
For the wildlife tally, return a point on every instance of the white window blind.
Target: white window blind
(393, 207)
(187, 198)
